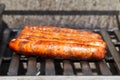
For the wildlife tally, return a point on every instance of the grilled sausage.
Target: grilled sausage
(55, 42)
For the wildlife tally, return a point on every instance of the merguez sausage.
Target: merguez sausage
(54, 42)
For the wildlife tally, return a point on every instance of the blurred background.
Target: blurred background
(90, 19)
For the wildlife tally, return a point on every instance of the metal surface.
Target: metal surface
(14, 65)
(68, 70)
(61, 78)
(50, 69)
(108, 66)
(5, 39)
(32, 66)
(60, 12)
(28, 66)
(86, 68)
(111, 48)
(2, 7)
(104, 69)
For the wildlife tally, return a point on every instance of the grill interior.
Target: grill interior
(12, 64)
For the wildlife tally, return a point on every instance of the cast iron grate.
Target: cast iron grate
(13, 64)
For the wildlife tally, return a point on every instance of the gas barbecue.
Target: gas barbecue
(12, 64)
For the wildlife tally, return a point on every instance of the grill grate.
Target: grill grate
(12, 64)
(21, 65)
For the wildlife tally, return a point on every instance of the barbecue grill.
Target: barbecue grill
(12, 64)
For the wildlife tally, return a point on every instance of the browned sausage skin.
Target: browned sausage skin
(48, 41)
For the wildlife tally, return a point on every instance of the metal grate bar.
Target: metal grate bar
(117, 44)
(68, 70)
(113, 69)
(14, 65)
(6, 35)
(104, 69)
(42, 67)
(85, 68)
(32, 68)
(117, 20)
(117, 33)
(111, 48)
(50, 68)
(2, 7)
(60, 12)
(58, 67)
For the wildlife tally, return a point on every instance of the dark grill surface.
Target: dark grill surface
(12, 64)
